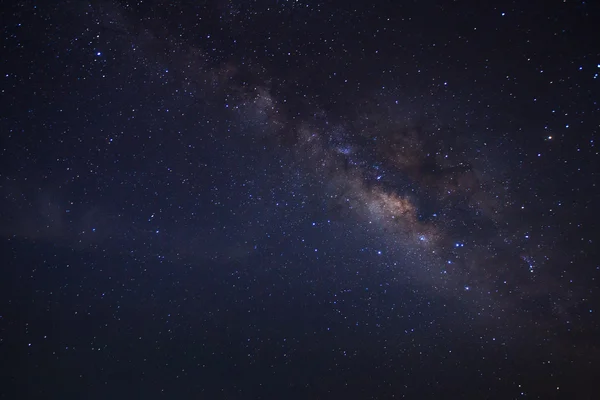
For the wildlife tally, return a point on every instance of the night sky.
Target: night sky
(299, 200)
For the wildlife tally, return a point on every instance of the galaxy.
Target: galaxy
(289, 199)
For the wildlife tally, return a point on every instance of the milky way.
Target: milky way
(432, 198)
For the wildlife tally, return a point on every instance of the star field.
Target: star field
(289, 199)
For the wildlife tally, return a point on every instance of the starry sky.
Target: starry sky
(294, 199)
